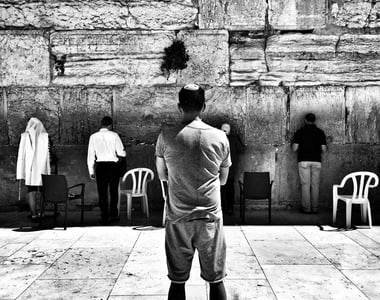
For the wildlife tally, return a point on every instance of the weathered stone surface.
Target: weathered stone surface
(266, 116)
(82, 110)
(24, 103)
(111, 57)
(297, 14)
(209, 59)
(363, 120)
(24, 58)
(3, 118)
(226, 105)
(140, 112)
(297, 59)
(232, 14)
(327, 103)
(247, 61)
(355, 13)
(98, 14)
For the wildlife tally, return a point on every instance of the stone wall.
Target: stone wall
(263, 63)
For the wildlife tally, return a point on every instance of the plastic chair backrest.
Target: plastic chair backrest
(257, 185)
(361, 182)
(54, 188)
(139, 177)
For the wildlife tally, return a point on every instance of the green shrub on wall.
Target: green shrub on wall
(175, 58)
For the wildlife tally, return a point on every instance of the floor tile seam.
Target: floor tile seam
(48, 266)
(353, 283)
(261, 267)
(121, 270)
(364, 235)
(316, 247)
(13, 251)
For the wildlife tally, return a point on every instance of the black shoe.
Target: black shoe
(305, 211)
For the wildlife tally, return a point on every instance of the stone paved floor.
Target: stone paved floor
(127, 262)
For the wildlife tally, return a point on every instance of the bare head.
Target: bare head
(310, 119)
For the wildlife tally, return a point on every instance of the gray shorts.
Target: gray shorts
(205, 235)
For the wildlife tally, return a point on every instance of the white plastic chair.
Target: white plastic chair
(361, 181)
(140, 178)
(165, 197)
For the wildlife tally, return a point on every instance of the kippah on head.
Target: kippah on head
(191, 97)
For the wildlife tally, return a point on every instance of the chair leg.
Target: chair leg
(335, 204)
(243, 212)
(369, 215)
(82, 212)
(348, 214)
(363, 211)
(129, 206)
(270, 211)
(65, 222)
(146, 205)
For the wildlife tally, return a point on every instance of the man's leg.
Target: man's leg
(304, 174)
(230, 186)
(217, 291)
(114, 194)
(102, 184)
(315, 179)
(177, 291)
(32, 203)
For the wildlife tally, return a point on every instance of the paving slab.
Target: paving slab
(125, 262)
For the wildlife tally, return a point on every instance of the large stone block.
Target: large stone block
(297, 14)
(209, 57)
(355, 13)
(232, 14)
(299, 59)
(266, 115)
(98, 14)
(140, 112)
(247, 60)
(24, 58)
(327, 103)
(24, 103)
(363, 120)
(3, 118)
(111, 57)
(82, 110)
(226, 105)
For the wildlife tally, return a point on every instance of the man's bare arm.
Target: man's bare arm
(161, 169)
(223, 175)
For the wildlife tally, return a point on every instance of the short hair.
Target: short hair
(191, 98)
(106, 121)
(310, 117)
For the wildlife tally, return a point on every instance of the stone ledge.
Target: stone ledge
(98, 14)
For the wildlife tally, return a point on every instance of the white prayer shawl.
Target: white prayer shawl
(33, 154)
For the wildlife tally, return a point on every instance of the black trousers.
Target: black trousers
(107, 179)
(228, 195)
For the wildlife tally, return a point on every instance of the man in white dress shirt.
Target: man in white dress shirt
(104, 149)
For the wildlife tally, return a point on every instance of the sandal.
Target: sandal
(34, 218)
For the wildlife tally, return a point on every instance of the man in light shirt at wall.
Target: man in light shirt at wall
(104, 149)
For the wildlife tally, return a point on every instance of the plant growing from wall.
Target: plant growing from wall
(175, 58)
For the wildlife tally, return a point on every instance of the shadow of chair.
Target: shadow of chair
(361, 183)
(140, 178)
(165, 192)
(56, 191)
(255, 186)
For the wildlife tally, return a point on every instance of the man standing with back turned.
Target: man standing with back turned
(194, 158)
(310, 142)
(104, 149)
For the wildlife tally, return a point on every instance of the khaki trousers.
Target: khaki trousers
(309, 173)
